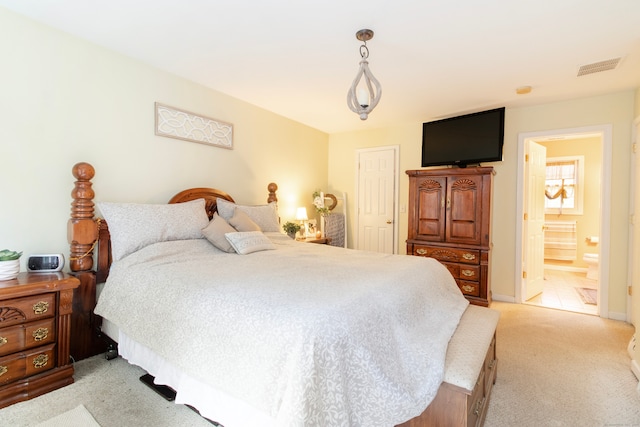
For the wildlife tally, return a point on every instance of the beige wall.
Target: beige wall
(65, 100)
(616, 109)
(587, 223)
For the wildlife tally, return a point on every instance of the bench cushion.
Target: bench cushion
(468, 346)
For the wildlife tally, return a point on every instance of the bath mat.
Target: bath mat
(77, 417)
(588, 295)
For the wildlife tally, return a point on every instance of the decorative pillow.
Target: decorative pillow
(133, 226)
(214, 232)
(241, 222)
(247, 242)
(266, 216)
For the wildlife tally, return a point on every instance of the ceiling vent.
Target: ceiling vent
(597, 67)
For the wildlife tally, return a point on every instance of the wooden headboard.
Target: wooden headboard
(89, 236)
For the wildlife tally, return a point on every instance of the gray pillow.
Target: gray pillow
(133, 226)
(215, 231)
(241, 222)
(265, 216)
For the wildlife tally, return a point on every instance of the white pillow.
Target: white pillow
(266, 216)
(215, 231)
(133, 226)
(246, 242)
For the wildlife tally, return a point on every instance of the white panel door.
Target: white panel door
(376, 198)
(535, 175)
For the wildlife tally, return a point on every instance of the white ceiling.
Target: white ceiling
(433, 59)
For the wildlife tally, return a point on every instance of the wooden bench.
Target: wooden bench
(470, 372)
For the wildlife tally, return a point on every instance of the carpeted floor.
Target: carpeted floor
(555, 368)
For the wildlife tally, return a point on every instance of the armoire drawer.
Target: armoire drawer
(465, 272)
(465, 256)
(469, 288)
(30, 335)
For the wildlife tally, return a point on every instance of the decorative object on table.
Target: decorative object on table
(9, 264)
(174, 123)
(45, 263)
(333, 223)
(301, 215)
(320, 199)
(291, 228)
(364, 95)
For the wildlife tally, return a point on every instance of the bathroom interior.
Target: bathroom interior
(572, 224)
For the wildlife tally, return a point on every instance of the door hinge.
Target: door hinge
(526, 158)
(630, 290)
(524, 274)
(526, 216)
(634, 147)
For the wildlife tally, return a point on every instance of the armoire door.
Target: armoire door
(464, 210)
(430, 212)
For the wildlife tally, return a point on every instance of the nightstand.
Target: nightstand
(319, 240)
(35, 330)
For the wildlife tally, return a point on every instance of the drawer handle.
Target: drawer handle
(467, 288)
(3, 341)
(3, 370)
(40, 361)
(468, 256)
(468, 273)
(40, 334)
(41, 307)
(421, 251)
(479, 406)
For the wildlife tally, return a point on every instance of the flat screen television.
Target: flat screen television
(464, 140)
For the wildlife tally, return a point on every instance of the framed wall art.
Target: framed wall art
(180, 124)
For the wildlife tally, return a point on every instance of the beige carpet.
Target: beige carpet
(558, 368)
(555, 368)
(76, 417)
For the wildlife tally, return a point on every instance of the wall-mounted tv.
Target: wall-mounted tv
(464, 140)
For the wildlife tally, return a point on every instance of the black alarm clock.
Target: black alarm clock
(44, 263)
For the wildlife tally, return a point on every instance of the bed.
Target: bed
(253, 328)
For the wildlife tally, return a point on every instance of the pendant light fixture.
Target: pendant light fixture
(365, 90)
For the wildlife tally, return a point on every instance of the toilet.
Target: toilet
(592, 263)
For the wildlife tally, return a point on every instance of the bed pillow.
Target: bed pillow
(133, 226)
(266, 216)
(247, 242)
(241, 222)
(215, 231)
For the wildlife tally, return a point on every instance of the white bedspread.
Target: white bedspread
(313, 335)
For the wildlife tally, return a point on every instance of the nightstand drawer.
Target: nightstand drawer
(27, 363)
(20, 337)
(26, 309)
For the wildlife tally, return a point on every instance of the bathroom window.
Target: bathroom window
(564, 185)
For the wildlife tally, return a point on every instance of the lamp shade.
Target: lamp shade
(301, 214)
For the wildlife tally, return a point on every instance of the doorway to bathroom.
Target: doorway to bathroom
(564, 226)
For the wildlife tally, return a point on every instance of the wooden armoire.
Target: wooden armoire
(449, 220)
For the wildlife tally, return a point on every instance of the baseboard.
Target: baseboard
(617, 316)
(566, 268)
(503, 298)
(635, 368)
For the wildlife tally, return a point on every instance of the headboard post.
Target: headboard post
(82, 230)
(272, 187)
(82, 235)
